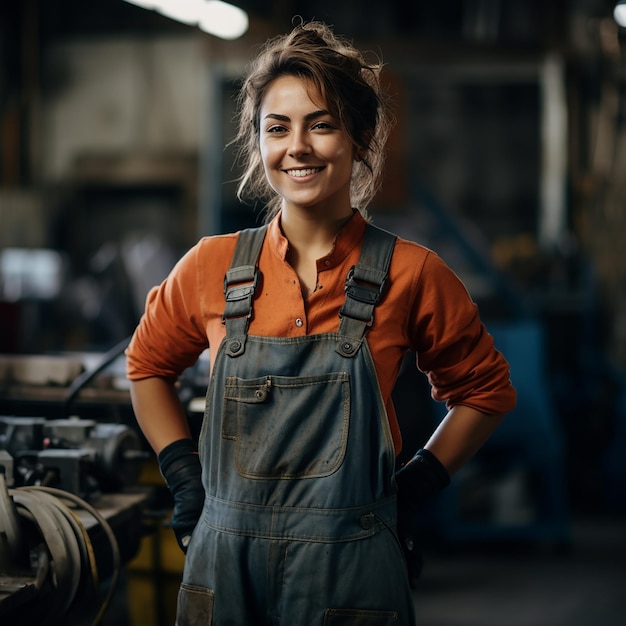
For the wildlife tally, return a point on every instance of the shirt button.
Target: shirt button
(327, 262)
(299, 322)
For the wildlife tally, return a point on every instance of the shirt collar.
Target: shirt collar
(348, 238)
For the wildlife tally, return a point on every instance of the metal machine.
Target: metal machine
(81, 456)
(71, 507)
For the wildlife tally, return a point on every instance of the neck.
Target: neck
(305, 230)
(310, 239)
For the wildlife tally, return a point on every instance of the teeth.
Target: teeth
(300, 173)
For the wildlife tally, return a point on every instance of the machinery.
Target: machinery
(81, 456)
(71, 507)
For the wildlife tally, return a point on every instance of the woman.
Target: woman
(288, 513)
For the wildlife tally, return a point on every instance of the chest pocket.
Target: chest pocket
(287, 427)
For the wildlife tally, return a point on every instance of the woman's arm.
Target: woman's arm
(460, 435)
(162, 419)
(159, 412)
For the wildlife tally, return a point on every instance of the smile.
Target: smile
(305, 172)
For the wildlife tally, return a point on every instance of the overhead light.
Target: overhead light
(211, 16)
(223, 20)
(185, 11)
(145, 4)
(619, 13)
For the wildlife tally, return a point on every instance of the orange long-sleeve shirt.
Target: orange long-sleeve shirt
(425, 308)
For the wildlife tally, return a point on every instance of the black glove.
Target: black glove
(419, 480)
(180, 467)
(422, 478)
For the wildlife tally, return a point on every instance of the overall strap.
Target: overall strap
(240, 284)
(364, 288)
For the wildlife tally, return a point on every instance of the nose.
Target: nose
(299, 143)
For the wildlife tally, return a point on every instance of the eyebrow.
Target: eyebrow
(307, 118)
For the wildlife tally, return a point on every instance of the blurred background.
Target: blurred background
(508, 158)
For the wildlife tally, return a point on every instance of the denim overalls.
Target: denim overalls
(298, 527)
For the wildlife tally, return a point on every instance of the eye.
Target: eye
(275, 129)
(322, 125)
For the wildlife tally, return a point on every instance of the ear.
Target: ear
(361, 152)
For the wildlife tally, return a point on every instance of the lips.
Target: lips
(302, 172)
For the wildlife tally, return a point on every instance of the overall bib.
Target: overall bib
(299, 522)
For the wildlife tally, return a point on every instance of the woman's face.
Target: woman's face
(307, 157)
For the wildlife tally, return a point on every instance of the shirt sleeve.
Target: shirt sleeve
(170, 334)
(453, 346)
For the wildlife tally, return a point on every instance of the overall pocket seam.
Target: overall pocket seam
(244, 414)
(195, 605)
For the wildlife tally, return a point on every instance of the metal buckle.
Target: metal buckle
(249, 287)
(363, 292)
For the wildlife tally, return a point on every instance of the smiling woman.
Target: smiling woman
(340, 83)
(289, 506)
(307, 157)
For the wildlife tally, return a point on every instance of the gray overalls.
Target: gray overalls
(298, 527)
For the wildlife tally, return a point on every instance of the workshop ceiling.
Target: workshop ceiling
(521, 21)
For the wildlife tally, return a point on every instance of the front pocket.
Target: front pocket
(288, 427)
(195, 606)
(359, 617)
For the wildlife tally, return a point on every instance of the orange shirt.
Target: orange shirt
(425, 308)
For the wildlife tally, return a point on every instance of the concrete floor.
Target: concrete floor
(529, 585)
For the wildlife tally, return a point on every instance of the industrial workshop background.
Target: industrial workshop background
(508, 158)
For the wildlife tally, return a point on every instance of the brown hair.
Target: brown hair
(351, 90)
